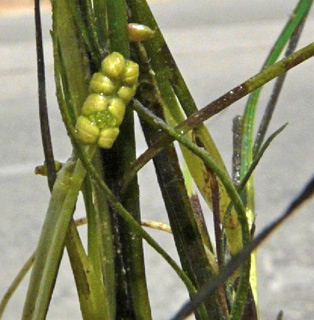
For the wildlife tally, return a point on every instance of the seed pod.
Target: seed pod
(107, 137)
(102, 84)
(87, 131)
(127, 93)
(117, 109)
(94, 103)
(113, 65)
(139, 32)
(131, 72)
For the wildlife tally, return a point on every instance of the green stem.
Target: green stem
(100, 11)
(94, 302)
(132, 287)
(51, 242)
(106, 247)
(80, 21)
(92, 239)
(68, 40)
(117, 24)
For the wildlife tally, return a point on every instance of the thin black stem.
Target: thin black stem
(43, 111)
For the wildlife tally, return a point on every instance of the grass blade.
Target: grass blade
(93, 302)
(51, 242)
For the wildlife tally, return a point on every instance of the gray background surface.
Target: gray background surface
(218, 44)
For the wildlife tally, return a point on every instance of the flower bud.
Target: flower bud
(87, 131)
(117, 109)
(94, 103)
(127, 93)
(131, 72)
(107, 137)
(139, 32)
(113, 65)
(102, 84)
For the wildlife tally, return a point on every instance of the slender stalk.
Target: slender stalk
(43, 111)
(130, 268)
(91, 28)
(106, 248)
(92, 295)
(79, 17)
(93, 244)
(101, 21)
(68, 39)
(258, 157)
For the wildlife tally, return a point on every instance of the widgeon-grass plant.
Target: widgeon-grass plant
(112, 64)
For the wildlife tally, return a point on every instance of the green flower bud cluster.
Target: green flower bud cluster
(111, 90)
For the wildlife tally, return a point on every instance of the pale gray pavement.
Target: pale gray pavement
(218, 44)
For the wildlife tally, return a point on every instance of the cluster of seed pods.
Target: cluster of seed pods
(110, 90)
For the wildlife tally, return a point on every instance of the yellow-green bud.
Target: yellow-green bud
(131, 72)
(139, 32)
(43, 171)
(94, 103)
(102, 84)
(117, 109)
(87, 131)
(113, 65)
(107, 137)
(127, 93)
